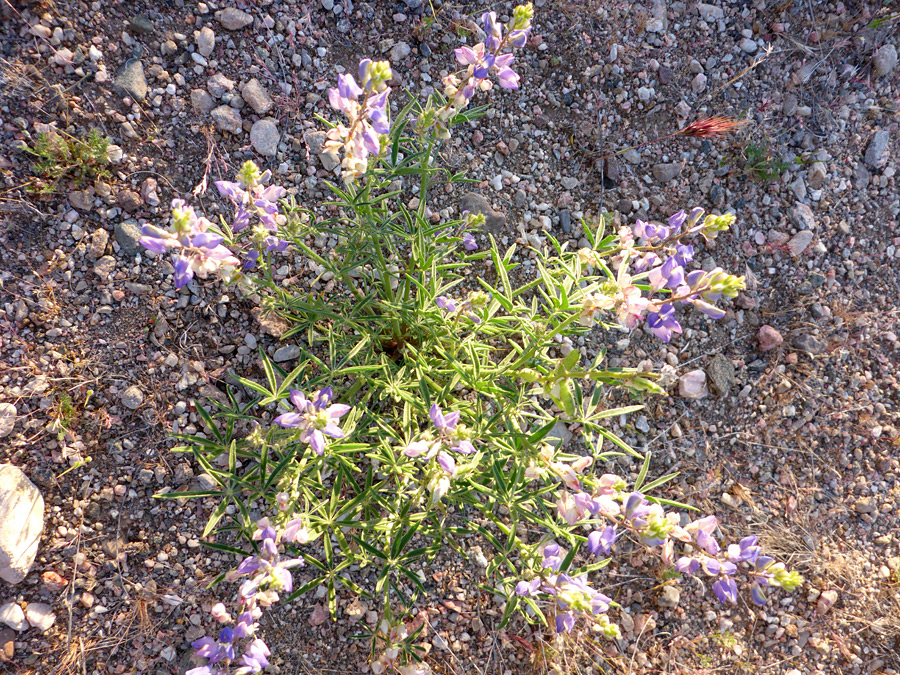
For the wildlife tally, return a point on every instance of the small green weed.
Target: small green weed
(761, 165)
(60, 156)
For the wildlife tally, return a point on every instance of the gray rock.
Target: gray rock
(520, 199)
(669, 597)
(710, 12)
(816, 175)
(233, 19)
(286, 353)
(130, 80)
(559, 435)
(884, 60)
(569, 183)
(105, 267)
(257, 97)
(565, 221)
(803, 217)
(264, 137)
(749, 45)
(789, 105)
(720, 372)
(129, 200)
(218, 85)
(876, 153)
(330, 161)
(132, 398)
(327, 5)
(809, 344)
(861, 176)
(698, 84)
(40, 615)
(99, 239)
(798, 243)
(128, 234)
(8, 414)
(206, 41)
(21, 523)
(315, 141)
(12, 615)
(228, 119)
(201, 102)
(865, 505)
(494, 221)
(399, 52)
(142, 24)
(632, 156)
(666, 172)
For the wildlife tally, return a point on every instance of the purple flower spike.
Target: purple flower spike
(726, 590)
(255, 658)
(663, 324)
(317, 418)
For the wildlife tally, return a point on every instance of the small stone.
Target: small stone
(105, 267)
(218, 85)
(669, 597)
(327, 5)
(865, 505)
(315, 141)
(149, 191)
(693, 385)
(40, 615)
(142, 24)
(53, 581)
(257, 97)
(803, 216)
(698, 84)
(494, 221)
(667, 172)
(129, 200)
(789, 105)
(206, 41)
(132, 398)
(98, 241)
(201, 102)
(228, 119)
(559, 435)
(399, 52)
(7, 645)
(721, 374)
(286, 353)
(233, 19)
(565, 221)
(749, 45)
(81, 200)
(264, 137)
(768, 338)
(131, 81)
(816, 175)
(709, 12)
(826, 601)
(13, 616)
(8, 414)
(128, 235)
(876, 153)
(21, 523)
(569, 183)
(798, 243)
(884, 60)
(809, 344)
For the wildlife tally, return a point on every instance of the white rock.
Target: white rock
(884, 60)
(40, 615)
(13, 616)
(710, 12)
(799, 242)
(256, 95)
(698, 84)
(21, 523)
(264, 137)
(7, 419)
(693, 385)
(749, 45)
(206, 41)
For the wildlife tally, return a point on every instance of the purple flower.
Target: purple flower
(469, 242)
(508, 78)
(552, 557)
(676, 221)
(726, 590)
(635, 506)
(528, 588)
(663, 324)
(600, 603)
(255, 658)
(442, 422)
(757, 594)
(746, 550)
(445, 303)
(684, 253)
(601, 541)
(317, 418)
(706, 541)
(183, 271)
(565, 622)
(216, 650)
(687, 565)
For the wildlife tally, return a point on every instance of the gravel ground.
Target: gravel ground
(794, 432)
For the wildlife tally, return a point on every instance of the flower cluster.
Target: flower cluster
(624, 511)
(390, 638)
(317, 418)
(475, 300)
(574, 595)
(252, 198)
(368, 121)
(268, 576)
(480, 61)
(661, 258)
(449, 434)
(196, 250)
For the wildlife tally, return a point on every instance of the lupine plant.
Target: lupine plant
(421, 408)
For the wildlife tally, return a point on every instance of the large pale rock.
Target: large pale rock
(21, 523)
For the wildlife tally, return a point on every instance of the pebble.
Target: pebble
(218, 85)
(132, 398)
(257, 97)
(666, 172)
(698, 84)
(286, 353)
(228, 119)
(264, 137)
(40, 615)
(877, 151)
(206, 41)
(7, 419)
(768, 338)
(131, 81)
(798, 243)
(693, 385)
(710, 12)
(721, 374)
(669, 597)
(789, 105)
(233, 19)
(884, 60)
(802, 216)
(826, 601)
(13, 616)
(494, 221)
(128, 234)
(749, 45)
(201, 102)
(809, 344)
(865, 505)
(399, 52)
(105, 267)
